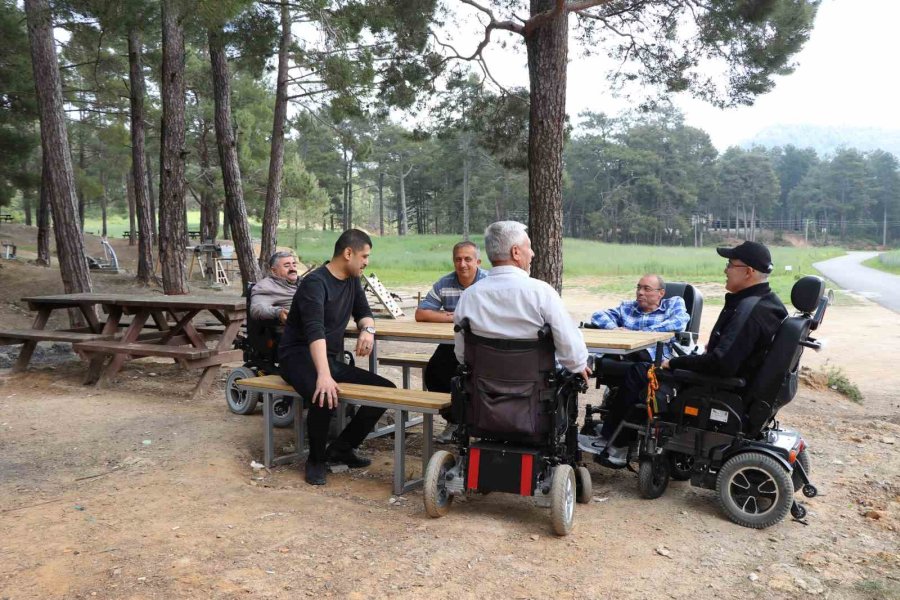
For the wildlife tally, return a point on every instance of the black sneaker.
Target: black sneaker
(315, 473)
(346, 456)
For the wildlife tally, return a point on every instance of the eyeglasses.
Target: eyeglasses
(731, 265)
(647, 288)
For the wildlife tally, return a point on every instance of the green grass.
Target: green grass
(419, 260)
(839, 382)
(886, 261)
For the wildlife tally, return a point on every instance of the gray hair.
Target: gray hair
(500, 237)
(467, 244)
(278, 256)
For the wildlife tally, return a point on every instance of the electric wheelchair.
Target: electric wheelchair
(722, 433)
(522, 409)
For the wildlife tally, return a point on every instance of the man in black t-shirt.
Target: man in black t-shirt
(312, 346)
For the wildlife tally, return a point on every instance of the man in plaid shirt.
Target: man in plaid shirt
(649, 311)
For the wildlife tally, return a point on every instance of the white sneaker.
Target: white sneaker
(446, 436)
(617, 455)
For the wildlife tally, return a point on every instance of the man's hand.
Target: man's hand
(327, 391)
(586, 374)
(665, 364)
(283, 315)
(364, 343)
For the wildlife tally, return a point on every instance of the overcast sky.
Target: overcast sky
(846, 75)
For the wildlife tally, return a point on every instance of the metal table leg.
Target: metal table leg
(400, 416)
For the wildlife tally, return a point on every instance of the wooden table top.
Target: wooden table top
(186, 301)
(596, 339)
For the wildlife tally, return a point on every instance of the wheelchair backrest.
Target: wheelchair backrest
(508, 384)
(693, 302)
(775, 384)
(263, 336)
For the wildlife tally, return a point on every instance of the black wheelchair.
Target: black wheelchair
(722, 433)
(522, 410)
(260, 348)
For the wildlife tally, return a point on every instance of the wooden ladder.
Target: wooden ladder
(383, 295)
(221, 276)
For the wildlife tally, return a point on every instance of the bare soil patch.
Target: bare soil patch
(134, 491)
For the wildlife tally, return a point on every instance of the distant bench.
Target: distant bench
(406, 362)
(400, 401)
(193, 234)
(7, 218)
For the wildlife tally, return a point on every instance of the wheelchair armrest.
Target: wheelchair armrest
(606, 368)
(683, 376)
(587, 325)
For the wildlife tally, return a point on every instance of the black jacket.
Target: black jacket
(741, 336)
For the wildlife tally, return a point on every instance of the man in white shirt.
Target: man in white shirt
(508, 304)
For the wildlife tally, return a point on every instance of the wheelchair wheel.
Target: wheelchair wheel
(584, 487)
(803, 459)
(562, 499)
(240, 402)
(283, 411)
(754, 490)
(437, 498)
(653, 476)
(680, 465)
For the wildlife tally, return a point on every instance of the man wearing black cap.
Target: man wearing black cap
(736, 347)
(748, 322)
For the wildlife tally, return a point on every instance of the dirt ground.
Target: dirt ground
(133, 491)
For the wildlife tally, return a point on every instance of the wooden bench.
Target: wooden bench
(401, 401)
(126, 235)
(7, 218)
(16, 336)
(406, 361)
(136, 349)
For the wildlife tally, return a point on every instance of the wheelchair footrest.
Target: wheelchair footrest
(502, 468)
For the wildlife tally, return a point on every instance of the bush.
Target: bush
(839, 382)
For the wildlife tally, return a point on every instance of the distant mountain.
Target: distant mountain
(826, 139)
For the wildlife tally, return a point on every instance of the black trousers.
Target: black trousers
(441, 368)
(298, 370)
(622, 406)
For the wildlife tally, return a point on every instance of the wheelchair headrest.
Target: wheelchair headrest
(807, 292)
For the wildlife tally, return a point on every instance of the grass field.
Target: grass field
(419, 260)
(886, 261)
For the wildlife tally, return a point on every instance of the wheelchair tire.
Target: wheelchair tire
(584, 486)
(437, 498)
(653, 476)
(754, 490)
(240, 402)
(803, 459)
(283, 411)
(562, 499)
(680, 465)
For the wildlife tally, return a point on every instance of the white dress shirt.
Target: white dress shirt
(508, 304)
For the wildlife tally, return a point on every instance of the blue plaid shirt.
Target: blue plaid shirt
(445, 293)
(670, 315)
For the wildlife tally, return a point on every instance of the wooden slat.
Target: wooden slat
(404, 359)
(143, 300)
(49, 335)
(134, 349)
(353, 391)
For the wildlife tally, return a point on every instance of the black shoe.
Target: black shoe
(315, 473)
(346, 456)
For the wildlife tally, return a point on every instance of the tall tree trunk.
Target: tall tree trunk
(172, 153)
(58, 176)
(140, 166)
(226, 222)
(276, 153)
(132, 218)
(154, 216)
(104, 200)
(884, 227)
(350, 193)
(209, 211)
(547, 48)
(467, 167)
(27, 196)
(402, 224)
(231, 171)
(43, 223)
(381, 204)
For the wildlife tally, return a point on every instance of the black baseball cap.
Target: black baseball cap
(752, 254)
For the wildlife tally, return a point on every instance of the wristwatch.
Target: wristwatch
(369, 329)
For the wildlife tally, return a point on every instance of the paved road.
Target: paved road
(878, 286)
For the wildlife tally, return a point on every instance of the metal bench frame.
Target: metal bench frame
(401, 415)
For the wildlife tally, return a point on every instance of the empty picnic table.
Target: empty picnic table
(162, 326)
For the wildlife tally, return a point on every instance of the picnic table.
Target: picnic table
(600, 341)
(193, 234)
(6, 217)
(160, 326)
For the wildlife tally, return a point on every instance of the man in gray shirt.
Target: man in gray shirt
(271, 297)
